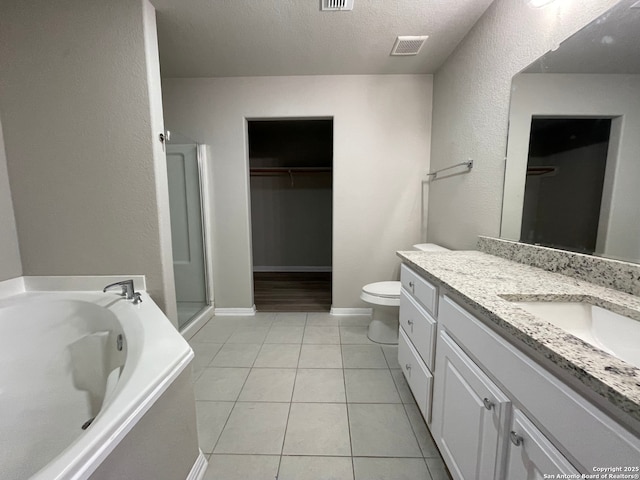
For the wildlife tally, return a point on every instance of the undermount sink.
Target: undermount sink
(611, 332)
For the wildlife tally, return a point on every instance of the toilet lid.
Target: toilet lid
(383, 289)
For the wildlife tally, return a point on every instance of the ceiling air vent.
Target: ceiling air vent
(408, 45)
(336, 5)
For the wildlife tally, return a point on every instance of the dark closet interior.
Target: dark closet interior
(291, 164)
(565, 180)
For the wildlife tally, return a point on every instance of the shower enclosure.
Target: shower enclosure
(185, 170)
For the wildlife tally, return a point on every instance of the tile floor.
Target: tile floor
(306, 396)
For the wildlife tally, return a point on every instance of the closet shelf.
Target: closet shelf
(287, 170)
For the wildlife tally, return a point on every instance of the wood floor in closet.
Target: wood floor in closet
(292, 291)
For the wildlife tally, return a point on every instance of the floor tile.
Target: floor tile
(278, 356)
(391, 355)
(196, 371)
(285, 334)
(315, 468)
(249, 334)
(236, 355)
(322, 320)
(390, 469)
(363, 356)
(321, 335)
(355, 335)
(211, 419)
(370, 386)
(254, 428)
(214, 332)
(290, 318)
(427, 445)
(220, 384)
(355, 320)
(437, 469)
(319, 385)
(317, 429)
(381, 430)
(242, 467)
(320, 356)
(204, 353)
(402, 386)
(268, 385)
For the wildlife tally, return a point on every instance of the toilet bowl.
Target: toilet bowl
(384, 298)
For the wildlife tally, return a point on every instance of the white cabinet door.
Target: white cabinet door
(469, 415)
(531, 454)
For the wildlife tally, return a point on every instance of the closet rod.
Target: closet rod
(289, 170)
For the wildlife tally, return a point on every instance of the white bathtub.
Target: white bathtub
(69, 357)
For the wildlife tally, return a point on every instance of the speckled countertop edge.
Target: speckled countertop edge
(481, 281)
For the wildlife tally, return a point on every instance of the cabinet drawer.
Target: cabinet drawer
(423, 291)
(531, 454)
(419, 327)
(418, 376)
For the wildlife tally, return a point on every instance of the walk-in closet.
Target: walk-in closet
(290, 165)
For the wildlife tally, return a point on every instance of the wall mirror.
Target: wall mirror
(572, 175)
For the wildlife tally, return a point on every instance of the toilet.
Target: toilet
(384, 298)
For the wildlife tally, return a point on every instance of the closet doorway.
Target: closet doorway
(291, 182)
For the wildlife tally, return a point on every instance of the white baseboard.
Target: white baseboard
(197, 323)
(350, 311)
(291, 269)
(236, 312)
(199, 468)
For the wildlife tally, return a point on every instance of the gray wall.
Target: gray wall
(10, 265)
(381, 140)
(291, 224)
(471, 107)
(81, 106)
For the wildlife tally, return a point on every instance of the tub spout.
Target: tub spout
(127, 288)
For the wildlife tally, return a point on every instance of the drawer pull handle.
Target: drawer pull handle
(411, 286)
(410, 322)
(488, 404)
(515, 438)
(407, 367)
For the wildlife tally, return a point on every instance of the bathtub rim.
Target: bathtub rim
(80, 458)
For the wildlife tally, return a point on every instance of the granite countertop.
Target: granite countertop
(488, 284)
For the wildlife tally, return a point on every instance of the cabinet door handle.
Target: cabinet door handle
(410, 323)
(515, 438)
(407, 367)
(488, 404)
(411, 286)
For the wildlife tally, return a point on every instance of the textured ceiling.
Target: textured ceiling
(223, 38)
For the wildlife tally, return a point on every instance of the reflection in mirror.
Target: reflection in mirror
(572, 176)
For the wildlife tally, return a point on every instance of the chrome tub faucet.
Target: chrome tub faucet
(127, 290)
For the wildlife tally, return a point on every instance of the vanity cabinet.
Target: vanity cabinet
(470, 414)
(550, 427)
(531, 454)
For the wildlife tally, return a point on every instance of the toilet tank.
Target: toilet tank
(430, 247)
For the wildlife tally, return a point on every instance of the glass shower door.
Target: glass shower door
(185, 204)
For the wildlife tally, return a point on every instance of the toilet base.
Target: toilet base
(384, 325)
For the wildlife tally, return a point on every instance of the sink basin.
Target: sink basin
(614, 333)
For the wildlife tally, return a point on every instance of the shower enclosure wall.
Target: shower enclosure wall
(185, 165)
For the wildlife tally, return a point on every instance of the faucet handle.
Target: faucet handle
(137, 298)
